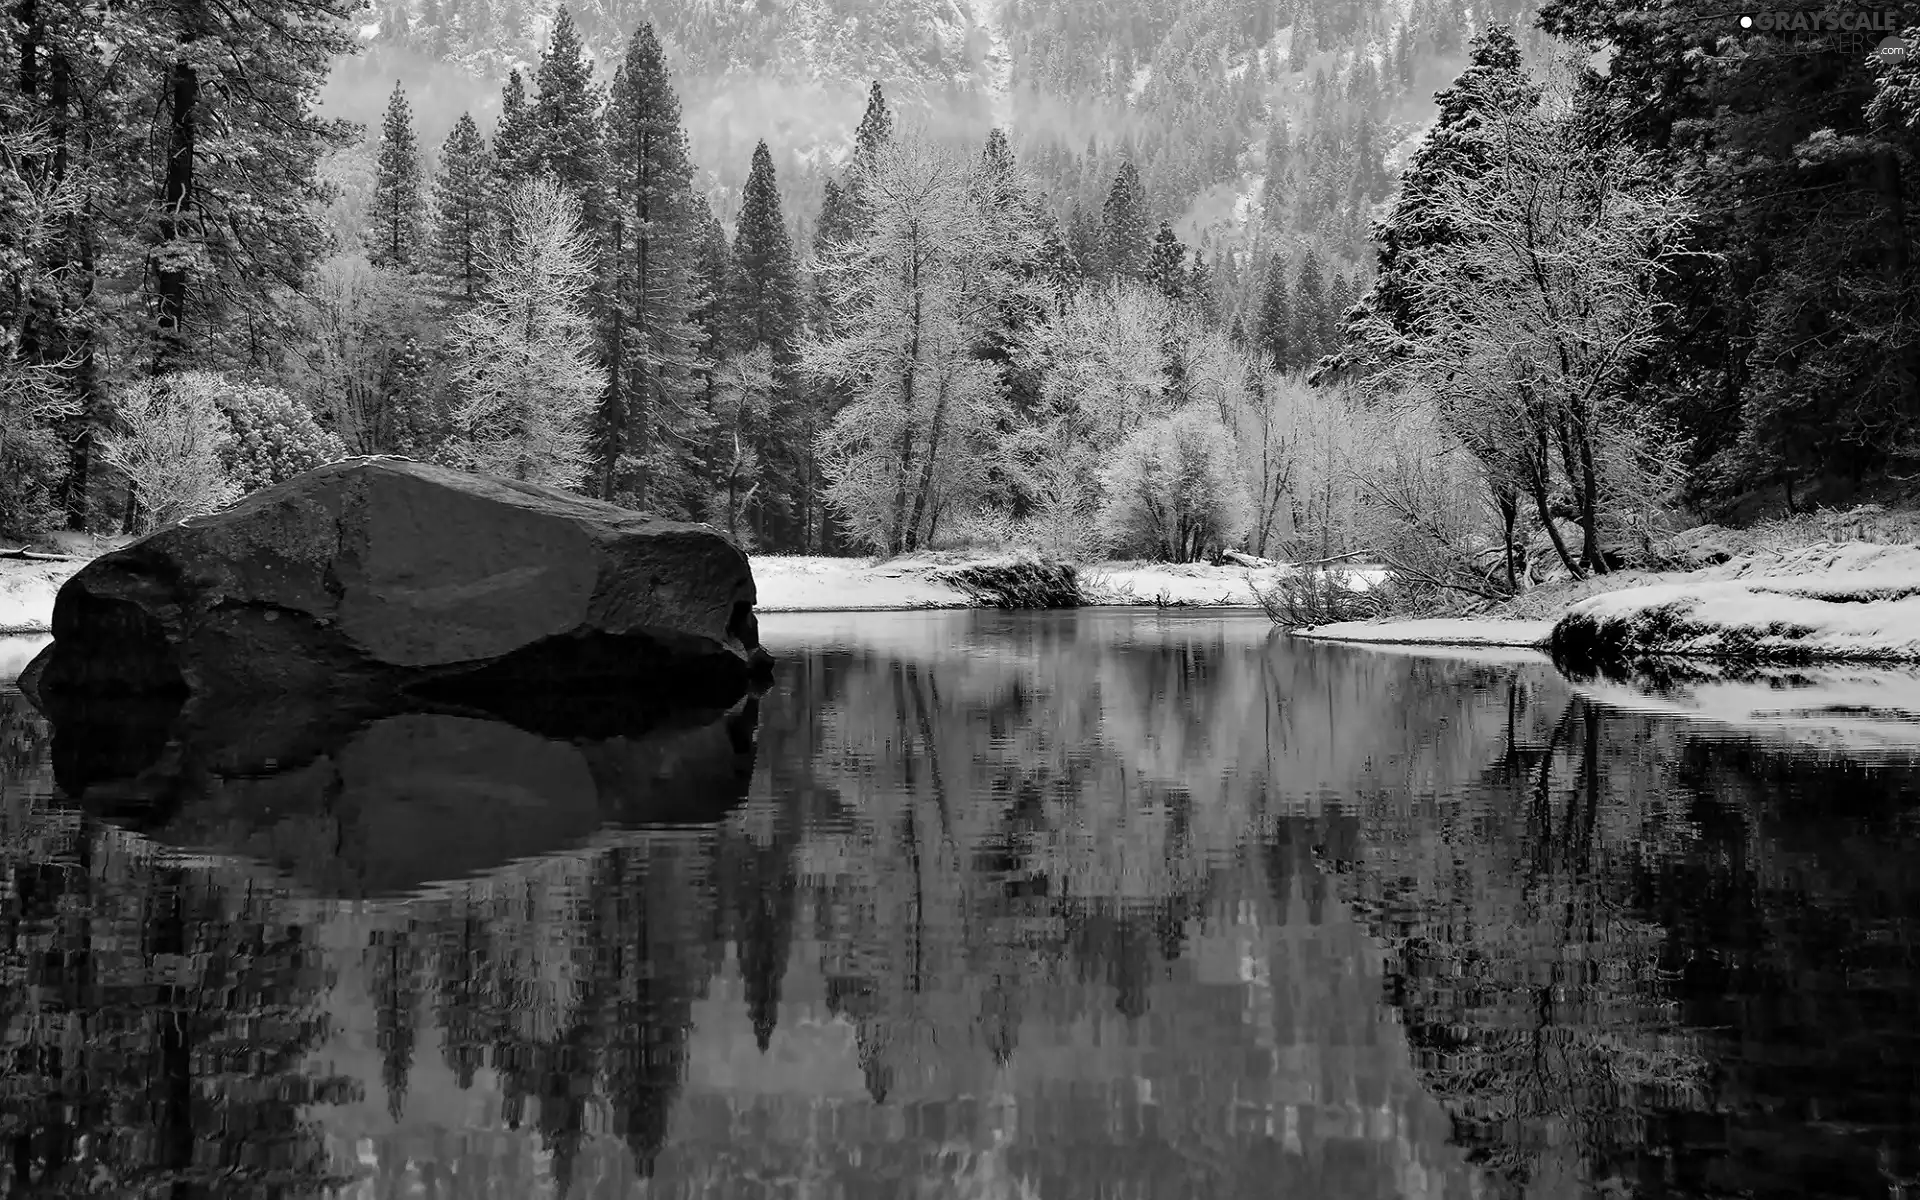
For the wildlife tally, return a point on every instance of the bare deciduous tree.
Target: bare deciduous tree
(915, 441)
(37, 203)
(1533, 319)
(167, 439)
(523, 359)
(1175, 489)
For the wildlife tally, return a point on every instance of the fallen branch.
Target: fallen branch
(37, 556)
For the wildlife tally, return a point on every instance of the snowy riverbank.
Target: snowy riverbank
(797, 584)
(1828, 602)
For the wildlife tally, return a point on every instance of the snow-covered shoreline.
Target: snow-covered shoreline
(1826, 602)
(795, 584)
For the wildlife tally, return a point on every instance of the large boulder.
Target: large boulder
(383, 573)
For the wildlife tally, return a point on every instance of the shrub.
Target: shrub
(168, 438)
(1303, 598)
(274, 437)
(1175, 491)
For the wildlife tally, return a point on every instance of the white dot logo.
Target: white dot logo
(1746, 22)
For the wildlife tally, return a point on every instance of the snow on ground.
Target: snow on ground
(1851, 601)
(803, 584)
(1842, 709)
(1445, 631)
(27, 588)
(798, 584)
(17, 652)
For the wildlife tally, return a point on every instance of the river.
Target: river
(1110, 903)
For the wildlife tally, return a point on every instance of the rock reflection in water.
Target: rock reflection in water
(370, 801)
(1069, 905)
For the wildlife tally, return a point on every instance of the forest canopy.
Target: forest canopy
(1581, 304)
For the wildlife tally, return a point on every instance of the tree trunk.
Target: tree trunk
(899, 542)
(1538, 487)
(176, 201)
(924, 490)
(1576, 455)
(1508, 502)
(612, 416)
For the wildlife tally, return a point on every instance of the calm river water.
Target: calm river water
(1097, 904)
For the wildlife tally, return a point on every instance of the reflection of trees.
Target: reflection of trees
(155, 1028)
(1528, 981)
(1792, 918)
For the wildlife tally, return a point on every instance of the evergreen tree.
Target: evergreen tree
(399, 204)
(646, 438)
(1493, 80)
(460, 210)
(1083, 242)
(1123, 232)
(713, 272)
(875, 129)
(763, 301)
(1273, 328)
(1167, 264)
(565, 119)
(1201, 287)
(1309, 310)
(764, 297)
(516, 149)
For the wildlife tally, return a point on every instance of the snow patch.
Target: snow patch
(1141, 77)
(1435, 632)
(27, 589)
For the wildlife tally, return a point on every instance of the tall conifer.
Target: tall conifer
(645, 443)
(1123, 226)
(460, 210)
(399, 200)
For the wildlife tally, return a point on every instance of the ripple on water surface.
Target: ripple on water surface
(1108, 903)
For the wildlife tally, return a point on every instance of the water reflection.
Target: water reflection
(1085, 904)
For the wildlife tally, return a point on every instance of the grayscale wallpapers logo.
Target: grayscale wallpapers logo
(1875, 33)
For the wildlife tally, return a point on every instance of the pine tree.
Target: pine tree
(1339, 299)
(764, 297)
(645, 443)
(516, 151)
(565, 119)
(399, 205)
(1200, 288)
(1273, 328)
(764, 308)
(875, 129)
(1167, 264)
(461, 218)
(1309, 310)
(713, 272)
(1123, 232)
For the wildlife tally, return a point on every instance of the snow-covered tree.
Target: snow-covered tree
(523, 359)
(1526, 324)
(274, 437)
(168, 437)
(914, 443)
(1175, 489)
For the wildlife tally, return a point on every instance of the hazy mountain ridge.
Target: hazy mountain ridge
(1189, 92)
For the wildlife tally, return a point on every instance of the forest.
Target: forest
(1636, 267)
